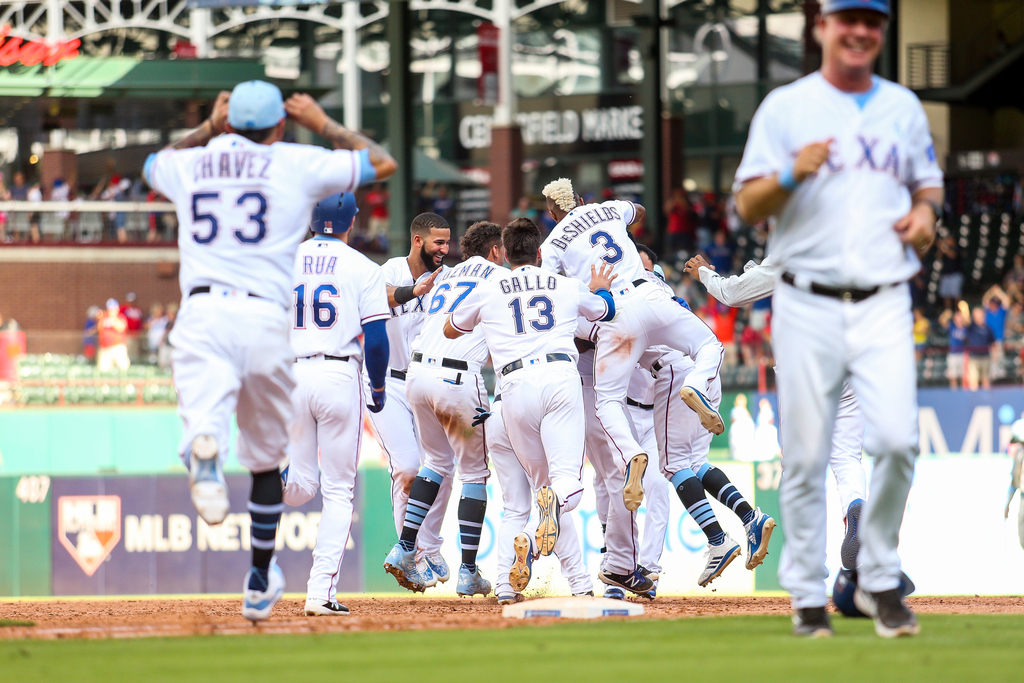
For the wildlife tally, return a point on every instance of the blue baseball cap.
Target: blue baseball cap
(830, 6)
(333, 215)
(255, 105)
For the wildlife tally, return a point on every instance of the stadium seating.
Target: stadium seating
(50, 379)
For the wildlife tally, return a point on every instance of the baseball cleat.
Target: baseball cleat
(410, 574)
(758, 532)
(709, 417)
(547, 529)
(509, 598)
(438, 566)
(633, 488)
(472, 583)
(892, 617)
(851, 542)
(719, 557)
(522, 567)
(812, 622)
(587, 594)
(256, 603)
(635, 582)
(649, 573)
(325, 608)
(653, 593)
(614, 593)
(206, 480)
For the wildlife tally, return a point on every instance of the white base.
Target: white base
(572, 608)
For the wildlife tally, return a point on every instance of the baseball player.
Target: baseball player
(243, 203)
(444, 388)
(528, 317)
(647, 316)
(409, 280)
(757, 282)
(339, 294)
(1016, 451)
(514, 548)
(844, 162)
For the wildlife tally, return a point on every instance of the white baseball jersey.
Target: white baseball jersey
(243, 208)
(755, 283)
(590, 234)
(337, 290)
(450, 289)
(527, 313)
(837, 228)
(406, 320)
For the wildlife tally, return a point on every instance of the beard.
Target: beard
(428, 259)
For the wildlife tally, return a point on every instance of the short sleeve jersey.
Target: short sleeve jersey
(837, 227)
(590, 234)
(451, 289)
(528, 312)
(243, 208)
(336, 291)
(406, 320)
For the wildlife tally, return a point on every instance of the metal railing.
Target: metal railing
(927, 66)
(87, 221)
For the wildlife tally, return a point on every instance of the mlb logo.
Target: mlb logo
(89, 528)
(329, 227)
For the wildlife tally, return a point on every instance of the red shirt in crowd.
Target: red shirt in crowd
(133, 314)
(113, 329)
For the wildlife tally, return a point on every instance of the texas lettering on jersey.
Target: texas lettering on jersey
(584, 222)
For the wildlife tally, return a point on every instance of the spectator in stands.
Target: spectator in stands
(116, 190)
(113, 332)
(741, 431)
(61, 192)
(133, 314)
(156, 326)
(681, 224)
(751, 345)
(979, 343)
(996, 303)
(35, 219)
(953, 322)
(377, 198)
(18, 192)
(1013, 339)
(523, 210)
(1013, 283)
(721, 253)
(90, 333)
(951, 283)
(922, 328)
(163, 354)
(5, 195)
(443, 205)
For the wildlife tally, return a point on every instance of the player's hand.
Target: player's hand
(424, 286)
(481, 416)
(219, 115)
(601, 279)
(378, 398)
(917, 228)
(694, 265)
(810, 159)
(305, 111)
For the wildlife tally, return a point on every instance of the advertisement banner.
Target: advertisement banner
(141, 535)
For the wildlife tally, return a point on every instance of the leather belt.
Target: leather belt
(206, 290)
(397, 374)
(344, 359)
(497, 397)
(842, 293)
(519, 364)
(637, 404)
(452, 363)
(641, 281)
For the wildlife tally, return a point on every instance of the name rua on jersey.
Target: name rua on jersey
(528, 283)
(583, 222)
(479, 270)
(319, 265)
(240, 164)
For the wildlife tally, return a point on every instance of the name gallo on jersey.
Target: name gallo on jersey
(239, 164)
(522, 283)
(584, 222)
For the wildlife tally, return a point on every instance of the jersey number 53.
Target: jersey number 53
(204, 210)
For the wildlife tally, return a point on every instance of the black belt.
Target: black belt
(206, 290)
(397, 374)
(497, 397)
(638, 404)
(641, 281)
(656, 366)
(326, 357)
(551, 358)
(452, 363)
(842, 293)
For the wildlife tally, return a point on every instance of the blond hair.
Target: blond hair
(561, 193)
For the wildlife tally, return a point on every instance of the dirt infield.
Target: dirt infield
(150, 617)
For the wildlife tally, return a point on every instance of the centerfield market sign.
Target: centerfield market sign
(565, 127)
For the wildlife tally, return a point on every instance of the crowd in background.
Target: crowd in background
(118, 334)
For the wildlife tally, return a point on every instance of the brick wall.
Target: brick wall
(48, 294)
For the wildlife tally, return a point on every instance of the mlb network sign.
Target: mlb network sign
(139, 535)
(966, 422)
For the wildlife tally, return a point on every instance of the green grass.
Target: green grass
(16, 622)
(982, 648)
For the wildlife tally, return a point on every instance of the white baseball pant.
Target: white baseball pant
(682, 442)
(400, 439)
(518, 499)
(443, 403)
(232, 355)
(819, 341)
(845, 455)
(646, 316)
(657, 491)
(328, 406)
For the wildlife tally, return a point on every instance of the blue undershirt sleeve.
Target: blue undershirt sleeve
(377, 351)
(367, 173)
(607, 296)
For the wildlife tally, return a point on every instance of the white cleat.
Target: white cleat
(206, 480)
(709, 417)
(719, 557)
(257, 604)
(325, 608)
(633, 486)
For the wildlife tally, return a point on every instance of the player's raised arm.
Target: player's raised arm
(756, 282)
(759, 199)
(400, 295)
(308, 113)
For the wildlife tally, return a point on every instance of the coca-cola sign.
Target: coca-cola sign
(14, 50)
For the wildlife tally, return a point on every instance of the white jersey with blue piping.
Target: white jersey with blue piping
(837, 227)
(406, 319)
(589, 235)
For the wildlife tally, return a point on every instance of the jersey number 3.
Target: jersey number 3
(544, 321)
(247, 200)
(612, 251)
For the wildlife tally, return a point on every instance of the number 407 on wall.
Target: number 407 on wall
(32, 489)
